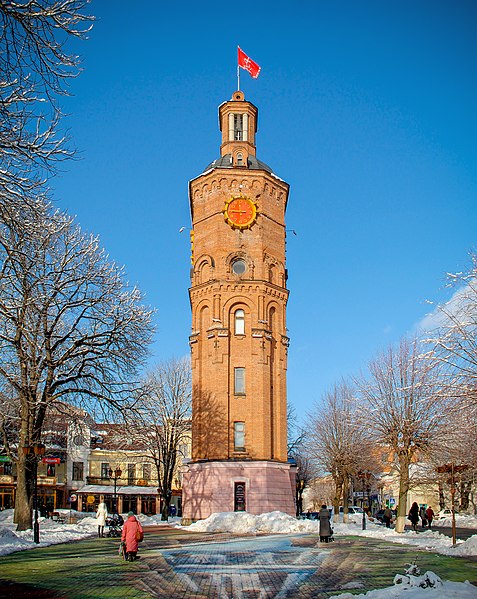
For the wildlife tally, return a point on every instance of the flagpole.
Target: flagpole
(238, 78)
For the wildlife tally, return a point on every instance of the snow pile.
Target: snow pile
(414, 586)
(461, 520)
(245, 523)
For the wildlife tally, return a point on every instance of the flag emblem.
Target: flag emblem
(246, 63)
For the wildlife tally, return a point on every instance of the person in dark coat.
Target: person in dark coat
(387, 517)
(325, 525)
(414, 516)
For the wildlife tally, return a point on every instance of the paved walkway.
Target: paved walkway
(178, 564)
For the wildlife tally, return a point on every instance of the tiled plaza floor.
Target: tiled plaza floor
(176, 564)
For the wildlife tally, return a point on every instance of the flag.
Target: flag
(248, 64)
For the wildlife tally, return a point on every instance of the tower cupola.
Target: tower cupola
(238, 123)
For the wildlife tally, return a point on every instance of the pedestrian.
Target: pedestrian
(422, 516)
(101, 515)
(132, 535)
(43, 510)
(387, 517)
(429, 516)
(325, 525)
(413, 516)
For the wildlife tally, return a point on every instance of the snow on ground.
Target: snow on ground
(51, 532)
(411, 590)
(461, 520)
(278, 522)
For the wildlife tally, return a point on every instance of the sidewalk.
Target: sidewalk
(177, 564)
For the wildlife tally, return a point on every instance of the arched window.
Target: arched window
(239, 322)
(240, 159)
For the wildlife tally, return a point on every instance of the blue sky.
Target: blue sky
(367, 109)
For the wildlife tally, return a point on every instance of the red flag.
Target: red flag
(247, 63)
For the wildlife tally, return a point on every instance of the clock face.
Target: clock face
(240, 212)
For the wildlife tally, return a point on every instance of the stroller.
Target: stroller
(114, 524)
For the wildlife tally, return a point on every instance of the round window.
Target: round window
(239, 267)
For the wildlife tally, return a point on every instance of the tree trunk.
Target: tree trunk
(336, 499)
(345, 499)
(403, 491)
(23, 495)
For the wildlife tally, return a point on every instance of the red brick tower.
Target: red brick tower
(239, 338)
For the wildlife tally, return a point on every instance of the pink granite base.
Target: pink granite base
(208, 487)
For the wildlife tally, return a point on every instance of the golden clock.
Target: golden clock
(240, 212)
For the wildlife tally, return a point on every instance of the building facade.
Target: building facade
(239, 339)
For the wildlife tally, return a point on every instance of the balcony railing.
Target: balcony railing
(121, 482)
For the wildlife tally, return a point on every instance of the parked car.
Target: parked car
(445, 513)
(352, 509)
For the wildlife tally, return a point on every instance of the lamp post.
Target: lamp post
(364, 476)
(35, 450)
(115, 474)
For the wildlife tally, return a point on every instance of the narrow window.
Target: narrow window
(239, 381)
(239, 322)
(239, 436)
(50, 470)
(105, 470)
(239, 159)
(131, 473)
(238, 127)
(146, 471)
(78, 471)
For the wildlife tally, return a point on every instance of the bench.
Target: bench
(57, 517)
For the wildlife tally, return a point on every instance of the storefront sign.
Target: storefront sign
(90, 499)
(51, 460)
(4, 458)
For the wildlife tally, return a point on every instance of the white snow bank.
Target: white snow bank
(245, 523)
(51, 532)
(419, 587)
(461, 520)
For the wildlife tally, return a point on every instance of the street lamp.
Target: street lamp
(364, 476)
(35, 451)
(115, 475)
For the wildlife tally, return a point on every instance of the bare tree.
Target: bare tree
(338, 441)
(71, 329)
(405, 408)
(161, 422)
(305, 474)
(35, 71)
(454, 335)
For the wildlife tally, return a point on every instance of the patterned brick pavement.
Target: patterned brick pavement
(176, 564)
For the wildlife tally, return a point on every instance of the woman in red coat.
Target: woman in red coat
(132, 529)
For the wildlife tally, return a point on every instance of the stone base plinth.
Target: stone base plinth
(210, 487)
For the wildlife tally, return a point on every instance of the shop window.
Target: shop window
(239, 322)
(50, 470)
(78, 471)
(239, 381)
(239, 436)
